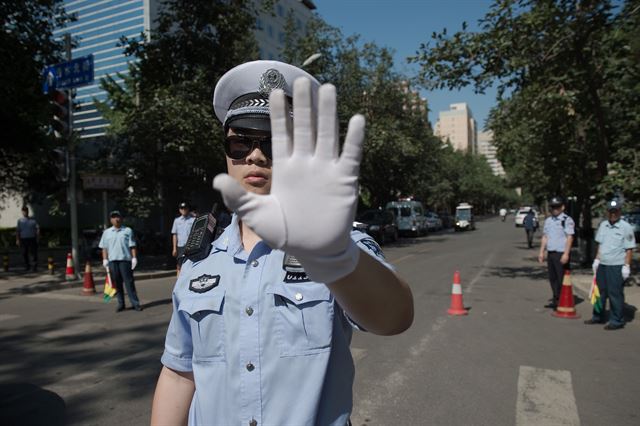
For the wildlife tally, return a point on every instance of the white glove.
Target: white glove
(105, 263)
(626, 271)
(134, 263)
(310, 210)
(595, 264)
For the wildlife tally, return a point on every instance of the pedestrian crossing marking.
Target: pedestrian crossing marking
(62, 296)
(6, 317)
(545, 397)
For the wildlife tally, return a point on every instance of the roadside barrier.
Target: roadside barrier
(566, 307)
(69, 273)
(88, 286)
(457, 305)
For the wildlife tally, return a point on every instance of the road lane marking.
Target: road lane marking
(400, 259)
(545, 397)
(392, 384)
(62, 296)
(6, 317)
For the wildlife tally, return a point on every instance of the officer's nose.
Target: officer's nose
(256, 156)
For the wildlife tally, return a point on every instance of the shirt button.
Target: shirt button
(254, 263)
(253, 422)
(250, 367)
(298, 296)
(249, 311)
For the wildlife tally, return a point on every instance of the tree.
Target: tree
(28, 45)
(553, 125)
(164, 134)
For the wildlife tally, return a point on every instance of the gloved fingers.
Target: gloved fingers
(303, 121)
(280, 125)
(233, 193)
(327, 143)
(352, 150)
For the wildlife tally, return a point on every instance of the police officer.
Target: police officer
(119, 257)
(180, 232)
(612, 264)
(261, 328)
(557, 239)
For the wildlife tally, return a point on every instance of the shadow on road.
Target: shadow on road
(531, 272)
(27, 404)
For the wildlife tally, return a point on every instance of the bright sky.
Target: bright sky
(402, 25)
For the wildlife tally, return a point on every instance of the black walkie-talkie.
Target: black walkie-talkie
(201, 236)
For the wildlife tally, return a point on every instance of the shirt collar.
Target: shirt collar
(615, 224)
(231, 242)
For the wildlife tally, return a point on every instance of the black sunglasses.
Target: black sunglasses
(238, 147)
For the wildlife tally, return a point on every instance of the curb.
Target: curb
(60, 285)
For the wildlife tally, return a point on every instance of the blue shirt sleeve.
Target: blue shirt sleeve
(569, 226)
(178, 346)
(599, 233)
(103, 239)
(174, 228)
(132, 240)
(629, 238)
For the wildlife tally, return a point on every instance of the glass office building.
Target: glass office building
(97, 30)
(100, 24)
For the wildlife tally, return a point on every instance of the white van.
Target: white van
(409, 216)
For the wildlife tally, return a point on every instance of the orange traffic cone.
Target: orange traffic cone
(457, 305)
(566, 308)
(69, 273)
(88, 286)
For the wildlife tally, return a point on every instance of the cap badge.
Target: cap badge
(270, 80)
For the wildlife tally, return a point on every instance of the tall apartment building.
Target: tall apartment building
(101, 23)
(488, 149)
(458, 126)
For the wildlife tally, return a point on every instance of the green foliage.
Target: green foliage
(164, 135)
(567, 79)
(26, 47)
(401, 154)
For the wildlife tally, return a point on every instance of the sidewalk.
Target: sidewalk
(17, 281)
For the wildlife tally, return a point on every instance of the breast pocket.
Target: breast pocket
(207, 325)
(304, 317)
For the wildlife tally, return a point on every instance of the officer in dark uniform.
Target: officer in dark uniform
(556, 242)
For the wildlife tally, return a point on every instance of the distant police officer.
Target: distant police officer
(180, 232)
(261, 327)
(119, 256)
(612, 264)
(557, 239)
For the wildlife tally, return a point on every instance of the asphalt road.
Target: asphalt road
(509, 362)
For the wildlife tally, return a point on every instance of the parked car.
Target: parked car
(521, 213)
(409, 216)
(434, 223)
(380, 224)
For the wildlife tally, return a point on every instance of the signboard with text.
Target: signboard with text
(113, 182)
(67, 75)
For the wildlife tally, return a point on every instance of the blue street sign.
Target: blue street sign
(67, 75)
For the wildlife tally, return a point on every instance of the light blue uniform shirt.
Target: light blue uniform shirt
(27, 227)
(614, 241)
(117, 242)
(557, 233)
(263, 342)
(181, 227)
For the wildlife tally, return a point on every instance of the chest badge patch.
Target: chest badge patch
(204, 283)
(294, 272)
